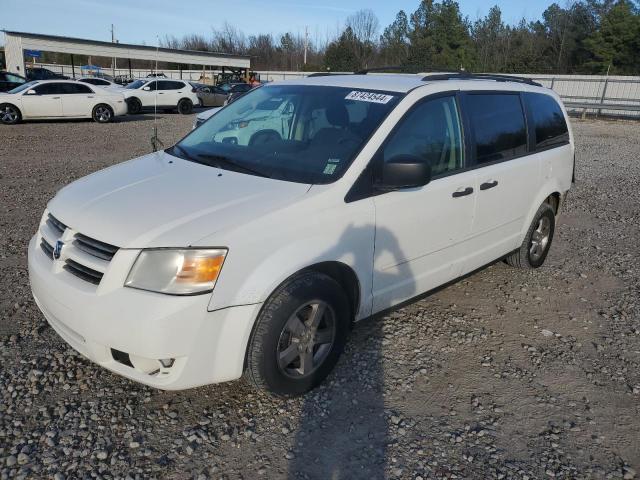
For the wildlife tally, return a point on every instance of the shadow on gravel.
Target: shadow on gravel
(343, 431)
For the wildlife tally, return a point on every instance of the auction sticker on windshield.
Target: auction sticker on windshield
(368, 97)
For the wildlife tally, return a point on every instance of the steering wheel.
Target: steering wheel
(262, 137)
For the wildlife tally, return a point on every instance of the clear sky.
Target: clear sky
(138, 21)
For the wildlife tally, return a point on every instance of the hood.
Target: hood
(208, 113)
(162, 201)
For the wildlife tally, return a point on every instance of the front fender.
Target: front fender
(253, 278)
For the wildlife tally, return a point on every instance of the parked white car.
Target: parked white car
(101, 82)
(50, 99)
(163, 94)
(360, 192)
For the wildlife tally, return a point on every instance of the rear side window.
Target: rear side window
(498, 126)
(169, 85)
(77, 88)
(548, 121)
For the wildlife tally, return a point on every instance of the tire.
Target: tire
(277, 360)
(9, 114)
(134, 106)
(102, 113)
(185, 106)
(535, 246)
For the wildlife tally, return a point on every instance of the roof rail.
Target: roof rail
(364, 71)
(325, 74)
(480, 76)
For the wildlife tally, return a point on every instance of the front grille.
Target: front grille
(85, 273)
(56, 225)
(95, 247)
(46, 248)
(83, 256)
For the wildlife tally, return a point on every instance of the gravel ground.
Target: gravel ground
(505, 374)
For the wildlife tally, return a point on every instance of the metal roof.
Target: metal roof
(151, 48)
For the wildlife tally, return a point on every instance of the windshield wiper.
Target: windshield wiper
(221, 161)
(183, 153)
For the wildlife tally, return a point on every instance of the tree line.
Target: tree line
(585, 36)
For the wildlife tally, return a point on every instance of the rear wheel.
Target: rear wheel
(102, 113)
(134, 106)
(535, 246)
(185, 106)
(299, 335)
(9, 114)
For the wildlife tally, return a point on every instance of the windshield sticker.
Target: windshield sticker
(334, 160)
(368, 97)
(330, 168)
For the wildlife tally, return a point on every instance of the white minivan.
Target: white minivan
(351, 195)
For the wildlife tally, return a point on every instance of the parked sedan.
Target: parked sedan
(9, 81)
(40, 73)
(60, 99)
(209, 95)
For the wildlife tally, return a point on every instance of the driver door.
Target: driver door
(44, 102)
(421, 232)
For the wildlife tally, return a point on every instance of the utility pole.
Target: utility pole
(306, 43)
(113, 61)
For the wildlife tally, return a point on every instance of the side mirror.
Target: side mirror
(146, 89)
(31, 92)
(404, 171)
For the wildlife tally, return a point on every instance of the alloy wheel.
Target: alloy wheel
(103, 114)
(540, 239)
(306, 339)
(9, 114)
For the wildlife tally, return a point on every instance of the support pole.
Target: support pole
(73, 67)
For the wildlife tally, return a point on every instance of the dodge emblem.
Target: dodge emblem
(57, 250)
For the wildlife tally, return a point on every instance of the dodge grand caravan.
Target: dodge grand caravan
(253, 244)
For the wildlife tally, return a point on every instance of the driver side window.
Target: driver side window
(430, 131)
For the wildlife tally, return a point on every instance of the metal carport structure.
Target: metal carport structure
(17, 42)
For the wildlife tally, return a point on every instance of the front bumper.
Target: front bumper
(120, 109)
(206, 347)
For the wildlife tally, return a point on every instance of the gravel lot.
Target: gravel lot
(505, 374)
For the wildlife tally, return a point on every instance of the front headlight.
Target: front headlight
(177, 271)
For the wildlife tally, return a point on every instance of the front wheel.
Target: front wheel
(9, 114)
(102, 114)
(535, 246)
(185, 106)
(299, 335)
(134, 106)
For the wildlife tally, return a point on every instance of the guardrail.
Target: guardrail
(599, 95)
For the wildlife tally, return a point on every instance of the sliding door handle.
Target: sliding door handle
(488, 185)
(462, 193)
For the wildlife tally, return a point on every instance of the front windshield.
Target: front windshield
(300, 133)
(24, 86)
(136, 84)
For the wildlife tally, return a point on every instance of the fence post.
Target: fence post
(553, 82)
(604, 91)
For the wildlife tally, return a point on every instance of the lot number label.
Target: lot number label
(368, 97)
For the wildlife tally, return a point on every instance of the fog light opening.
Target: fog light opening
(167, 362)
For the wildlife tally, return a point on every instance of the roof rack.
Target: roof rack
(462, 75)
(325, 74)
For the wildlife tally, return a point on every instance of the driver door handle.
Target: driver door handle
(488, 185)
(55, 98)
(462, 193)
